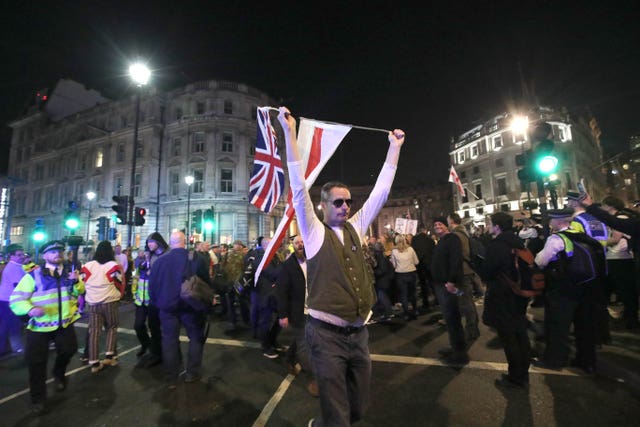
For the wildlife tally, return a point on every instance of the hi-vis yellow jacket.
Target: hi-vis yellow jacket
(57, 296)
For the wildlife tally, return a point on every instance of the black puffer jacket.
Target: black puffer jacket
(502, 308)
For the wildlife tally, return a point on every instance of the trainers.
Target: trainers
(84, 360)
(270, 353)
(110, 360)
(96, 367)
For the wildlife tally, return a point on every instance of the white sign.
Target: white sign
(406, 226)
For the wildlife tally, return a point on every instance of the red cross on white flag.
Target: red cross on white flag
(453, 177)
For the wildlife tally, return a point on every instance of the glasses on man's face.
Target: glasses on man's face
(339, 202)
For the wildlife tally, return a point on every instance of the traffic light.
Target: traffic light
(121, 209)
(38, 231)
(103, 224)
(207, 220)
(113, 233)
(139, 216)
(544, 160)
(71, 217)
(196, 221)
(526, 173)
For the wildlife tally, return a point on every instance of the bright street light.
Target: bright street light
(90, 196)
(139, 73)
(519, 126)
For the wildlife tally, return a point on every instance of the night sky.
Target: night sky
(434, 70)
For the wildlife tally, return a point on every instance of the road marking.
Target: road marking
(268, 409)
(67, 374)
(492, 366)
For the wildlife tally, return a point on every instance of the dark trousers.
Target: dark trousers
(231, 298)
(517, 349)
(342, 366)
(299, 351)
(622, 280)
(147, 327)
(267, 325)
(10, 329)
(193, 323)
(449, 304)
(406, 284)
(562, 309)
(468, 308)
(37, 354)
(426, 287)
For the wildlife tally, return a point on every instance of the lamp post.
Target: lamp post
(90, 196)
(189, 180)
(140, 75)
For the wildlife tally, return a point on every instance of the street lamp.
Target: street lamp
(189, 180)
(519, 126)
(90, 196)
(140, 75)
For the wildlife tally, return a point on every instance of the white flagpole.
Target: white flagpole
(336, 123)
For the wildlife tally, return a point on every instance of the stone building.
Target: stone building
(484, 158)
(60, 151)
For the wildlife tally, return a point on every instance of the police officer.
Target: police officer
(47, 296)
(566, 301)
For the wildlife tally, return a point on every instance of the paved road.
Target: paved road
(409, 387)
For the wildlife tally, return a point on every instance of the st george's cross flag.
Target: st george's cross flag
(267, 178)
(453, 177)
(317, 141)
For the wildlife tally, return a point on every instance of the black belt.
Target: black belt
(345, 330)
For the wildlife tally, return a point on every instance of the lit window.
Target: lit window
(99, 156)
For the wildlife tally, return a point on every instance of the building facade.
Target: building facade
(485, 160)
(206, 130)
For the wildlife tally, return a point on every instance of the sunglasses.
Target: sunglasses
(338, 202)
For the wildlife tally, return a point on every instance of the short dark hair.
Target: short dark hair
(502, 220)
(104, 252)
(324, 192)
(614, 202)
(455, 218)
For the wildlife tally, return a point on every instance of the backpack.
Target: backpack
(583, 258)
(530, 280)
(477, 253)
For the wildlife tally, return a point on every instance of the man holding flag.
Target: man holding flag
(340, 286)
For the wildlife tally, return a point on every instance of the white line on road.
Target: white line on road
(273, 402)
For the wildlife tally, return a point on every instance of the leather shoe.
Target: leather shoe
(61, 384)
(312, 388)
(37, 409)
(506, 382)
(294, 369)
(541, 363)
(445, 351)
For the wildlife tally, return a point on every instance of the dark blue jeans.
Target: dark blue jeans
(406, 283)
(342, 367)
(193, 323)
(449, 304)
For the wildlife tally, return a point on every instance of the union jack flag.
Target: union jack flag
(267, 178)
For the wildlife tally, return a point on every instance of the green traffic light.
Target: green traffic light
(72, 223)
(39, 236)
(208, 225)
(547, 164)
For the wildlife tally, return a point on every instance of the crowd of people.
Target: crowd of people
(327, 284)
